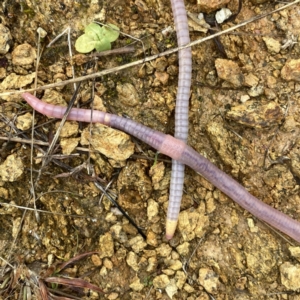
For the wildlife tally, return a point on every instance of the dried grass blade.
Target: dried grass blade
(43, 290)
(75, 259)
(74, 282)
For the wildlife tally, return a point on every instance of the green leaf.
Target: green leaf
(85, 44)
(94, 31)
(97, 37)
(103, 45)
(111, 32)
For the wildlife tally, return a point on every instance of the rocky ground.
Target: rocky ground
(244, 117)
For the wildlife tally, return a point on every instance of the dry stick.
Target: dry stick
(82, 149)
(141, 61)
(25, 208)
(124, 213)
(123, 50)
(178, 150)
(32, 184)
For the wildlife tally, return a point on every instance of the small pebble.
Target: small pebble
(163, 250)
(23, 54)
(244, 98)
(209, 280)
(161, 281)
(291, 70)
(128, 94)
(5, 39)
(112, 143)
(132, 261)
(209, 6)
(295, 252)
(12, 168)
(152, 209)
(106, 245)
(137, 285)
(290, 275)
(273, 45)
(230, 71)
(24, 122)
(171, 288)
(222, 15)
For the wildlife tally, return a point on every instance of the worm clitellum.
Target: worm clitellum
(178, 150)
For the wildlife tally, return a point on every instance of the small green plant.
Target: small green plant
(97, 37)
(148, 281)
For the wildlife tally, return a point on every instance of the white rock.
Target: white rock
(171, 288)
(222, 15)
(201, 16)
(244, 98)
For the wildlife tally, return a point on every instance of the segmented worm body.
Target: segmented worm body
(181, 112)
(178, 150)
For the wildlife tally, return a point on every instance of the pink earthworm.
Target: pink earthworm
(181, 112)
(180, 151)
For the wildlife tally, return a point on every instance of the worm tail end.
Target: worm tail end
(170, 228)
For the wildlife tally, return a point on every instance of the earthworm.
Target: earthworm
(180, 151)
(181, 112)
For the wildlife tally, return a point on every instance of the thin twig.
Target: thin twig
(112, 200)
(122, 50)
(39, 53)
(25, 208)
